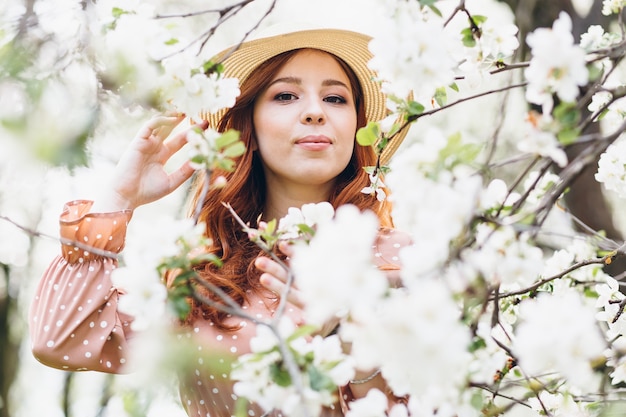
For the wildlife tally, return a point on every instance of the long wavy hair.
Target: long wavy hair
(245, 191)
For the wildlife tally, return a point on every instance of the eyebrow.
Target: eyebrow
(298, 81)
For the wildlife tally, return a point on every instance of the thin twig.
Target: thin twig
(68, 242)
(282, 303)
(561, 274)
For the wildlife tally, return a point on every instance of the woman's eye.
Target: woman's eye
(284, 97)
(335, 99)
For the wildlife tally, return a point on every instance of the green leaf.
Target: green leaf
(206, 257)
(301, 331)
(595, 72)
(172, 41)
(306, 229)
(280, 375)
(181, 307)
(568, 136)
(227, 165)
(431, 5)
(479, 19)
(210, 67)
(566, 114)
(441, 96)
(319, 380)
(455, 87)
(477, 401)
(414, 108)
(235, 150)
(456, 151)
(477, 343)
(227, 138)
(468, 38)
(368, 135)
(118, 12)
(271, 227)
(394, 129)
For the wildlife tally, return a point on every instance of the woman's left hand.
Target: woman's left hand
(275, 277)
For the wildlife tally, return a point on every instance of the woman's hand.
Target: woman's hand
(275, 276)
(140, 177)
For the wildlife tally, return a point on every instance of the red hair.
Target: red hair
(245, 192)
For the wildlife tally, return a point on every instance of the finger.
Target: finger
(267, 265)
(278, 287)
(159, 127)
(286, 248)
(179, 176)
(176, 142)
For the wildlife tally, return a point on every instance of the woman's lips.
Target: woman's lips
(314, 143)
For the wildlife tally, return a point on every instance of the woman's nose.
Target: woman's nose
(313, 113)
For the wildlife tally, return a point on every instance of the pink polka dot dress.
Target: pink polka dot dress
(75, 324)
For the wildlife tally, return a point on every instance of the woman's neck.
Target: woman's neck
(279, 200)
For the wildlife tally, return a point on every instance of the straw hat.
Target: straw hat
(351, 47)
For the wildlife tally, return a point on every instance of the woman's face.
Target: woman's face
(305, 122)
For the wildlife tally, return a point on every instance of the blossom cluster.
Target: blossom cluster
(263, 377)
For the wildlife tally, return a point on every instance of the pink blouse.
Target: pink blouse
(75, 324)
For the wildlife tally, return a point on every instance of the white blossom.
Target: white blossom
(376, 188)
(557, 65)
(255, 381)
(497, 42)
(411, 52)
(123, 54)
(596, 38)
(420, 327)
(612, 168)
(559, 333)
(610, 7)
(612, 116)
(143, 295)
(540, 141)
(202, 147)
(14, 245)
(504, 257)
(540, 186)
(328, 287)
(373, 404)
(429, 201)
(152, 244)
(558, 405)
(192, 92)
(311, 215)
(497, 194)
(609, 297)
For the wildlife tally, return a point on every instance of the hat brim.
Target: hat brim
(351, 47)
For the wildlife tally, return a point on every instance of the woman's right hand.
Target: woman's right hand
(140, 176)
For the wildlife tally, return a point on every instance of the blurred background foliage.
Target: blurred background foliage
(50, 96)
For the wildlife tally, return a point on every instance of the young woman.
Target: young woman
(303, 97)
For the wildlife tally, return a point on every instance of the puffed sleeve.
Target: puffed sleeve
(73, 320)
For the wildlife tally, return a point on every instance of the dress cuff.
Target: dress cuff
(82, 231)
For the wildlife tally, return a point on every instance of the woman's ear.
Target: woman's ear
(253, 145)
